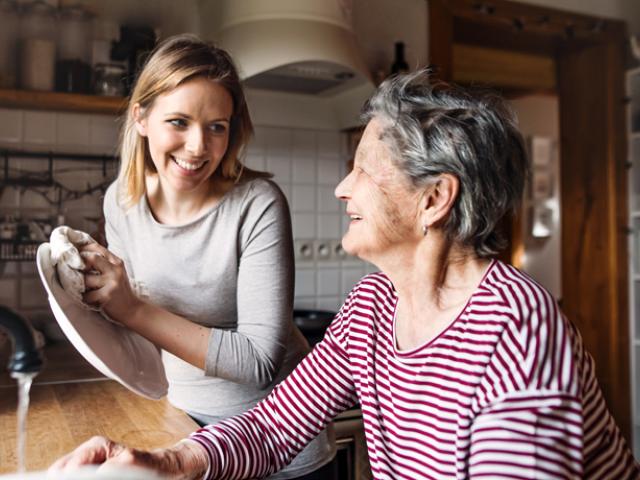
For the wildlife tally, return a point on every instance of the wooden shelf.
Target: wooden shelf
(70, 102)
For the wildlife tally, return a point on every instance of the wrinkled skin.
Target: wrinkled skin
(185, 460)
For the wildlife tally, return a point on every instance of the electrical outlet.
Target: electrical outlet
(304, 249)
(322, 249)
(337, 252)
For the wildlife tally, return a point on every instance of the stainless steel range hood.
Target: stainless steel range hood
(304, 47)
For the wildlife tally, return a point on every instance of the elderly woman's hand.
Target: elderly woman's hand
(106, 283)
(185, 460)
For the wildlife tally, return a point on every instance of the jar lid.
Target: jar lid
(110, 68)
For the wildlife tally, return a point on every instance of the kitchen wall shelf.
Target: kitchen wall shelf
(50, 157)
(71, 102)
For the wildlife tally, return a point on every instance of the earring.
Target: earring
(424, 230)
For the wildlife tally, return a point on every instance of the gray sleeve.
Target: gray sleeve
(113, 225)
(254, 353)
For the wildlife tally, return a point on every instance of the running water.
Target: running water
(24, 385)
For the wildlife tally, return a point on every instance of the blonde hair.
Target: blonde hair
(173, 62)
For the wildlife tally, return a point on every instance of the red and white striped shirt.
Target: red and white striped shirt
(506, 391)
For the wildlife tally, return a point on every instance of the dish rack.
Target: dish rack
(18, 251)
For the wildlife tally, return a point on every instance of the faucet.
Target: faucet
(26, 357)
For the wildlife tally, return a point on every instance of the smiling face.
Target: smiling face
(188, 133)
(380, 200)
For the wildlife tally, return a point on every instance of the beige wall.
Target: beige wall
(539, 115)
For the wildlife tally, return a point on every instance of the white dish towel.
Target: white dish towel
(70, 266)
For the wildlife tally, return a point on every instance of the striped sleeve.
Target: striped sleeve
(541, 413)
(528, 434)
(530, 420)
(268, 437)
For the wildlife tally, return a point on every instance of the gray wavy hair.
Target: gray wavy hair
(437, 128)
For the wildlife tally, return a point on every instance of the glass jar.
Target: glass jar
(8, 43)
(73, 70)
(109, 79)
(74, 39)
(37, 46)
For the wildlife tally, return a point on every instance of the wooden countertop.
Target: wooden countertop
(61, 416)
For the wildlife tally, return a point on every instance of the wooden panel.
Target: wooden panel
(594, 212)
(63, 415)
(474, 65)
(543, 21)
(469, 32)
(61, 101)
(440, 39)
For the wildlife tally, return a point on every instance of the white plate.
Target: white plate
(114, 350)
(88, 473)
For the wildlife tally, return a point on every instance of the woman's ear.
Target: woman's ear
(438, 199)
(139, 119)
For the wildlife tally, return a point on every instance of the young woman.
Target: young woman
(208, 240)
(464, 366)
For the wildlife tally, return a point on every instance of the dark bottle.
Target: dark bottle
(399, 65)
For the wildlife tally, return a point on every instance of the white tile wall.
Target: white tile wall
(303, 198)
(317, 162)
(40, 130)
(328, 281)
(103, 133)
(72, 134)
(304, 169)
(327, 201)
(305, 282)
(329, 225)
(10, 126)
(304, 225)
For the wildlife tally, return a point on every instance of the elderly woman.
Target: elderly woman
(464, 366)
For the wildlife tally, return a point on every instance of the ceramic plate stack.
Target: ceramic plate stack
(112, 349)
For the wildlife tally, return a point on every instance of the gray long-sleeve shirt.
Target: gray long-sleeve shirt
(230, 269)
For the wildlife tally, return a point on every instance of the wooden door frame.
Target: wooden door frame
(594, 246)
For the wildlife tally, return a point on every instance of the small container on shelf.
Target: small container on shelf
(73, 68)
(37, 46)
(109, 79)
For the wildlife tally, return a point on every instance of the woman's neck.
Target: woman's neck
(174, 208)
(434, 269)
(433, 282)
